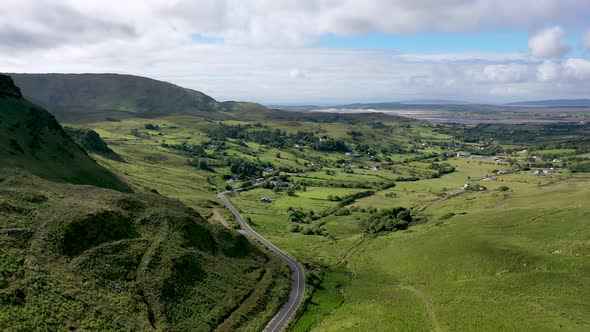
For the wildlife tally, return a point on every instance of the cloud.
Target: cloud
(503, 91)
(549, 43)
(507, 73)
(577, 68)
(296, 73)
(50, 24)
(286, 23)
(260, 42)
(548, 71)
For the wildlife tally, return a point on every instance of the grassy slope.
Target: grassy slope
(514, 263)
(80, 257)
(86, 258)
(390, 281)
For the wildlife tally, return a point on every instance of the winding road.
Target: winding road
(297, 291)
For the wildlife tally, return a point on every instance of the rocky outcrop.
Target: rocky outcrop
(7, 87)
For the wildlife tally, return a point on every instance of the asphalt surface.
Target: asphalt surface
(297, 291)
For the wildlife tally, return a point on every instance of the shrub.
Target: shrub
(306, 231)
(446, 216)
(386, 220)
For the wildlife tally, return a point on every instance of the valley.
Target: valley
(399, 225)
(295, 166)
(490, 241)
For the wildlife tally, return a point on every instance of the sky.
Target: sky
(313, 51)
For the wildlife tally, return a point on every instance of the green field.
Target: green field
(472, 260)
(516, 263)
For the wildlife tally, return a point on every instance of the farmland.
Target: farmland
(470, 259)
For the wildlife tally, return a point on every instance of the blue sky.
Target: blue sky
(433, 42)
(500, 41)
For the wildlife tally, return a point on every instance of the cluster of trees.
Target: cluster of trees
(246, 169)
(313, 229)
(274, 137)
(338, 184)
(387, 220)
(299, 216)
(329, 145)
(193, 150)
(349, 199)
(441, 169)
(302, 215)
(580, 167)
(486, 150)
(240, 168)
(254, 133)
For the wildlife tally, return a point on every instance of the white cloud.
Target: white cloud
(503, 91)
(549, 43)
(286, 23)
(548, 71)
(577, 68)
(296, 73)
(507, 73)
(266, 40)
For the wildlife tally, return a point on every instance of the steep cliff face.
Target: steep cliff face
(32, 139)
(8, 88)
(91, 141)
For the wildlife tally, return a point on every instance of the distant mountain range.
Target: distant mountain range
(437, 104)
(553, 103)
(434, 102)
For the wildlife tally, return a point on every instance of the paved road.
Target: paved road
(297, 277)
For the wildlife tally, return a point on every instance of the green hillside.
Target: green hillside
(90, 259)
(64, 94)
(80, 257)
(32, 139)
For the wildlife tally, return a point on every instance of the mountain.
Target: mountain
(101, 257)
(434, 102)
(132, 95)
(381, 106)
(112, 97)
(32, 139)
(552, 103)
